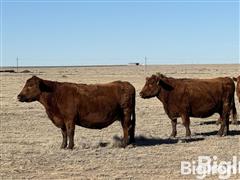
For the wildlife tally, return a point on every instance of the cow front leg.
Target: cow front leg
(70, 133)
(186, 123)
(64, 135)
(174, 128)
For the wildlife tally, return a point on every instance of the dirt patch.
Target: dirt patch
(30, 143)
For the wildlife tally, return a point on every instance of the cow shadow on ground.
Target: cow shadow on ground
(208, 122)
(238, 123)
(214, 133)
(152, 141)
(214, 122)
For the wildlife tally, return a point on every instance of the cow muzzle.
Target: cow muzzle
(21, 98)
(141, 94)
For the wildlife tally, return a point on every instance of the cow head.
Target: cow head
(237, 79)
(238, 86)
(32, 90)
(153, 86)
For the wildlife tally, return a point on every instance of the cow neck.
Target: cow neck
(46, 97)
(163, 95)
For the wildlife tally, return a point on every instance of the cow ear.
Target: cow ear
(44, 87)
(235, 79)
(165, 85)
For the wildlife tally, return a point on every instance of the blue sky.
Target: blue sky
(86, 33)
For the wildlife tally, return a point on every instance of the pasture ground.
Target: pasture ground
(30, 143)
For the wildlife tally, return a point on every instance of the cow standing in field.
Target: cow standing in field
(91, 106)
(187, 98)
(238, 86)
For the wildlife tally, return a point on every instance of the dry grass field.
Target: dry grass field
(30, 143)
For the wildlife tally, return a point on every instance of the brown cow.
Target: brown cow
(91, 106)
(187, 98)
(238, 86)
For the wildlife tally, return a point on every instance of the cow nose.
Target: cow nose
(19, 96)
(141, 94)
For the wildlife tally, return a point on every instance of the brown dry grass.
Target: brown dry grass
(30, 142)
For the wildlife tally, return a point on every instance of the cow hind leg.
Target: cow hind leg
(174, 127)
(64, 135)
(234, 113)
(224, 129)
(186, 123)
(126, 125)
(226, 124)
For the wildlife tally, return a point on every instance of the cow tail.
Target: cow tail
(133, 120)
(133, 112)
(234, 112)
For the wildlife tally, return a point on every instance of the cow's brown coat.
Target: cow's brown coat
(187, 98)
(92, 106)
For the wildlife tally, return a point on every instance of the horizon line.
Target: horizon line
(112, 65)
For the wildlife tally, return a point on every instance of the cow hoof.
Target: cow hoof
(131, 145)
(172, 137)
(225, 133)
(63, 146)
(123, 145)
(70, 147)
(220, 133)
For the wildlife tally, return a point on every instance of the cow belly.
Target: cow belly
(204, 105)
(97, 120)
(203, 111)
